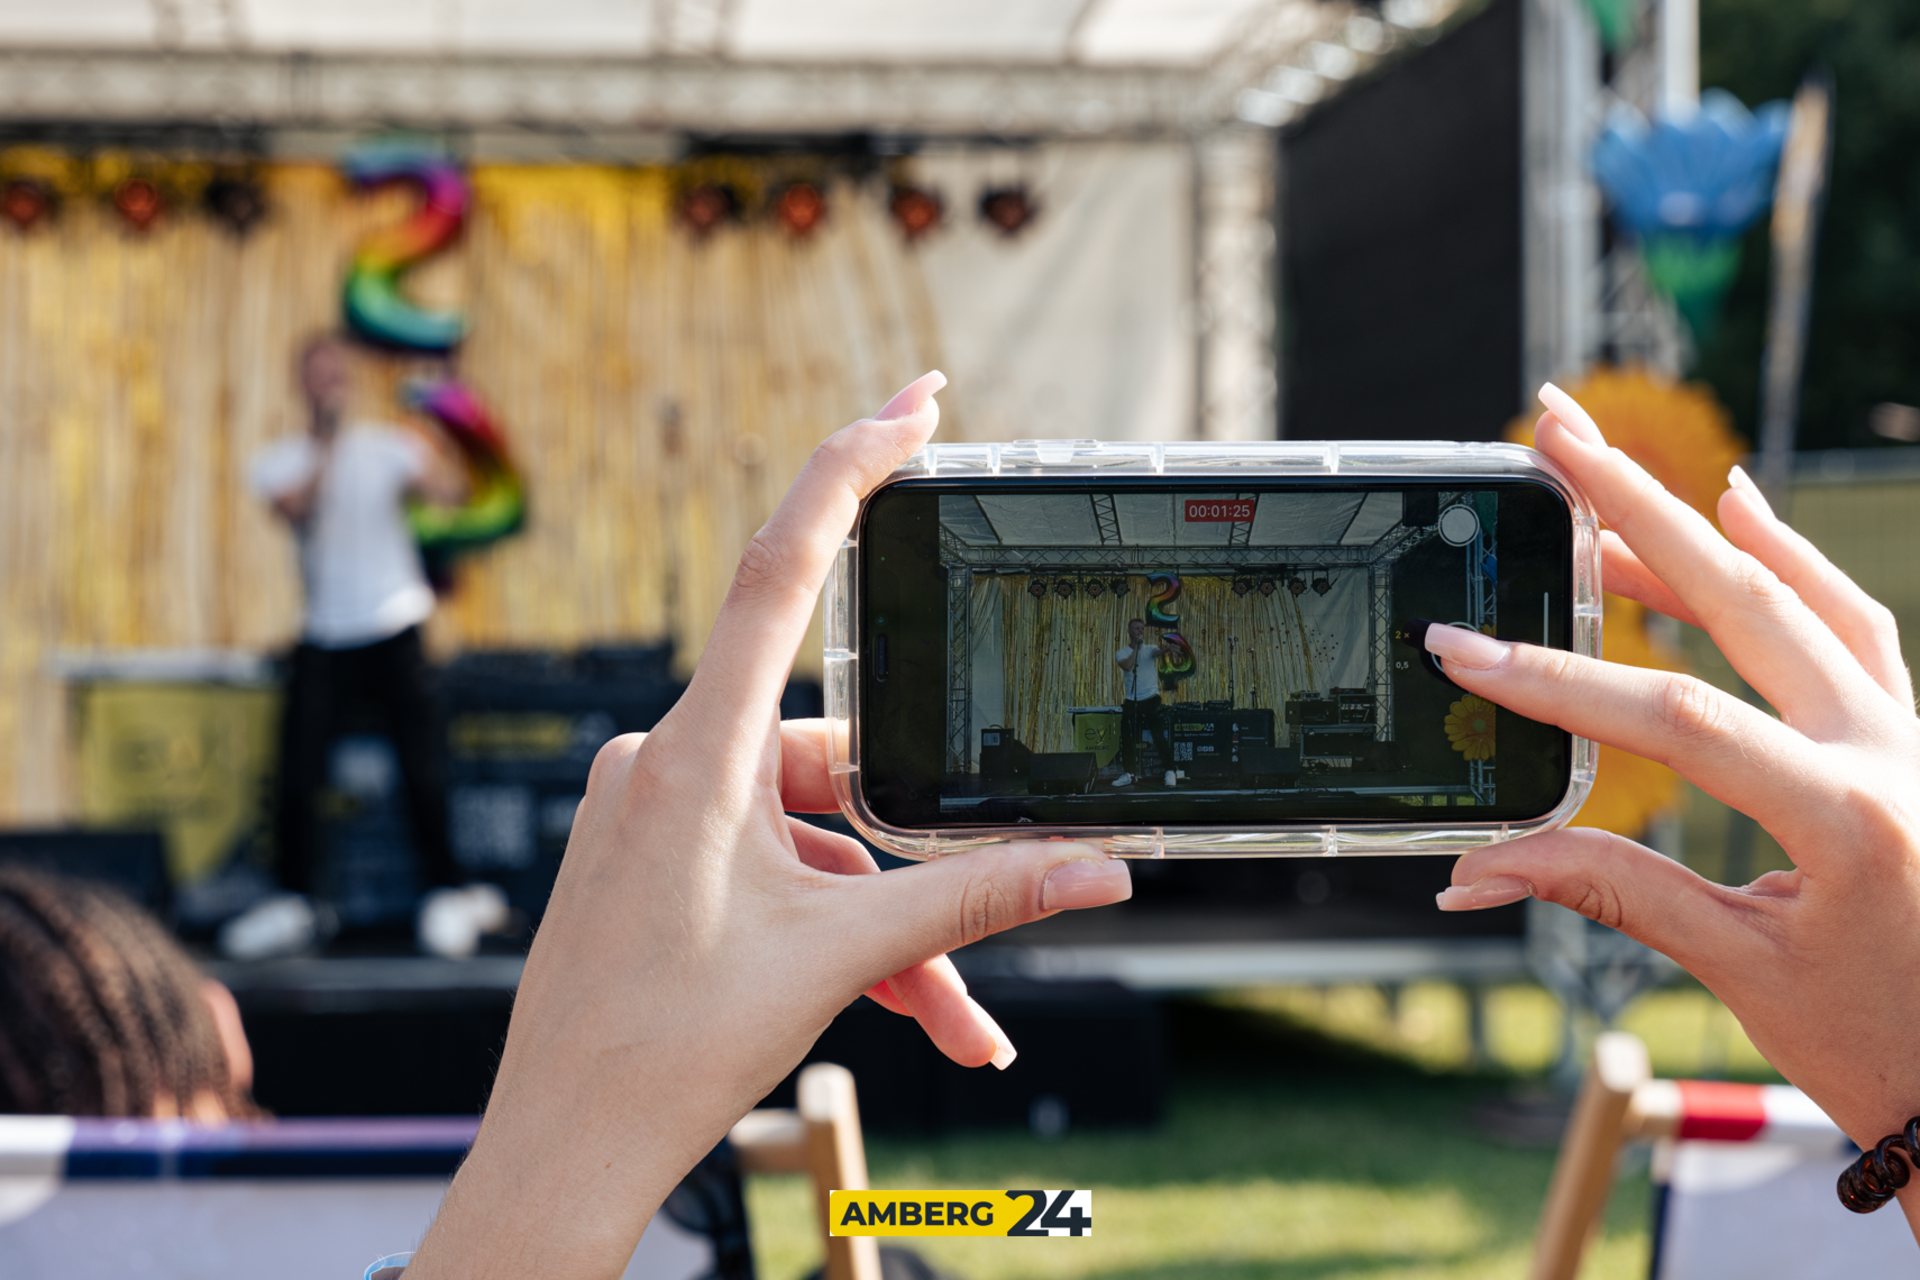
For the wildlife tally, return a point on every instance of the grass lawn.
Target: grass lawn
(1309, 1135)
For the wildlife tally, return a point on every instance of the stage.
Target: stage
(1100, 799)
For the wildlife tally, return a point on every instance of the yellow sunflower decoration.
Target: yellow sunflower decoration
(1685, 440)
(1470, 727)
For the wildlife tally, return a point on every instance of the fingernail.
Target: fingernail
(1494, 891)
(1568, 413)
(907, 401)
(1469, 649)
(1003, 1051)
(1086, 882)
(1739, 479)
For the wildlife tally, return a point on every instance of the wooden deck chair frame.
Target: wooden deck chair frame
(820, 1138)
(1619, 1102)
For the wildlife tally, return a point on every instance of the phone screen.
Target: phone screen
(1119, 652)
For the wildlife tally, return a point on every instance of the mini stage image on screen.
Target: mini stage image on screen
(1109, 648)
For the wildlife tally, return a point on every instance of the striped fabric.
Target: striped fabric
(89, 1199)
(1744, 1188)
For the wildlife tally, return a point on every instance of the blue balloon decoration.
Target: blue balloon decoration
(1685, 190)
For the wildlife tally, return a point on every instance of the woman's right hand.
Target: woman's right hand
(1821, 964)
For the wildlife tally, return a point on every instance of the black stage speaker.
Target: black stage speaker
(1202, 740)
(1254, 725)
(522, 731)
(1312, 711)
(1070, 1033)
(1357, 708)
(1420, 508)
(1268, 766)
(1061, 773)
(1212, 767)
(1003, 758)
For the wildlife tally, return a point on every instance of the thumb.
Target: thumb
(899, 918)
(1611, 880)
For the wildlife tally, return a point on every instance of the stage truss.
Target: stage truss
(1484, 615)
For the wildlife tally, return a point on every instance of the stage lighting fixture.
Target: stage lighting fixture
(1266, 586)
(1297, 585)
(26, 202)
(917, 210)
(1094, 588)
(1063, 589)
(1119, 587)
(1321, 586)
(1037, 588)
(800, 208)
(704, 208)
(236, 200)
(138, 201)
(1008, 209)
(1240, 587)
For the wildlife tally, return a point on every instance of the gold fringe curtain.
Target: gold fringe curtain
(658, 392)
(1059, 651)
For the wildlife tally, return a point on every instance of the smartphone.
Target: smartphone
(1205, 652)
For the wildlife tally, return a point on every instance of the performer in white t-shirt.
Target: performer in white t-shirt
(342, 489)
(1140, 703)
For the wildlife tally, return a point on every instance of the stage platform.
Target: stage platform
(1207, 791)
(361, 984)
(1195, 797)
(411, 1035)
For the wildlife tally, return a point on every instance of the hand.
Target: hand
(698, 940)
(296, 505)
(1821, 964)
(444, 480)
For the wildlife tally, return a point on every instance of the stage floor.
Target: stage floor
(1204, 791)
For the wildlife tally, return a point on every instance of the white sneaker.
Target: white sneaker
(451, 920)
(1170, 778)
(284, 924)
(1124, 780)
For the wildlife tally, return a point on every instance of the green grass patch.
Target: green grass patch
(1309, 1134)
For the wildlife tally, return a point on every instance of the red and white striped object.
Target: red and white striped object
(1719, 1111)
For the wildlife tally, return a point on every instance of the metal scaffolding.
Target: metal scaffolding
(1483, 613)
(1107, 518)
(1240, 532)
(1397, 542)
(1142, 559)
(959, 671)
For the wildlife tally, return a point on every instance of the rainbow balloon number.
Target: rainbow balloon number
(496, 505)
(1176, 658)
(378, 311)
(375, 307)
(1166, 589)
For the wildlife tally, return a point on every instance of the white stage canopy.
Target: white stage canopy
(1178, 33)
(981, 66)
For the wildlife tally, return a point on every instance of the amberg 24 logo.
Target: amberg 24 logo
(1031, 1214)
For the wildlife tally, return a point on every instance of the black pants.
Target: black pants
(391, 679)
(1135, 716)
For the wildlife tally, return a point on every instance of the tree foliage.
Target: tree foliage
(1865, 343)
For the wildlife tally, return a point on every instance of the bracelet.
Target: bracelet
(1870, 1181)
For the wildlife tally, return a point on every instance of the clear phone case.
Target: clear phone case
(1064, 459)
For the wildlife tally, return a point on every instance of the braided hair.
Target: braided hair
(101, 1012)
